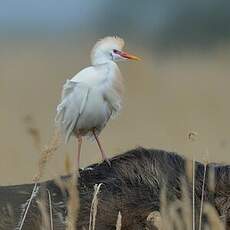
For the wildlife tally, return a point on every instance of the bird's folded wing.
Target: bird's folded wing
(68, 88)
(74, 98)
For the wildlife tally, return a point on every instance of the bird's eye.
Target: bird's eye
(115, 51)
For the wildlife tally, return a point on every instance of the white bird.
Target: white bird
(93, 95)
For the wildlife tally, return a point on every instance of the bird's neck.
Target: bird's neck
(99, 58)
(109, 71)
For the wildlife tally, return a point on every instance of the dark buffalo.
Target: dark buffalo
(131, 186)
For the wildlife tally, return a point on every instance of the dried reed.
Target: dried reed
(118, 224)
(186, 206)
(191, 171)
(73, 203)
(7, 217)
(202, 194)
(213, 217)
(45, 220)
(164, 210)
(177, 214)
(33, 194)
(94, 204)
(47, 153)
(50, 209)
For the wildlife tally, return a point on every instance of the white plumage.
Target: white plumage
(93, 95)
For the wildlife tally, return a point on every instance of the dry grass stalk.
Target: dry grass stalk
(45, 220)
(73, 203)
(202, 197)
(50, 210)
(33, 194)
(94, 204)
(190, 172)
(7, 219)
(191, 169)
(213, 217)
(175, 216)
(118, 224)
(186, 206)
(47, 153)
(211, 179)
(164, 211)
(170, 217)
(202, 192)
(59, 182)
(193, 193)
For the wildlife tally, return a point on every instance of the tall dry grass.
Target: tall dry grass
(119, 219)
(47, 153)
(93, 209)
(177, 215)
(73, 204)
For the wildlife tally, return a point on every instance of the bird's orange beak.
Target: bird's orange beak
(128, 56)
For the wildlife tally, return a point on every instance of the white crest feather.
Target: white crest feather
(108, 42)
(111, 42)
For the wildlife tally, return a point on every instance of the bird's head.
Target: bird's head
(110, 49)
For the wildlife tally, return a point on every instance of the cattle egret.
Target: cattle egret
(93, 95)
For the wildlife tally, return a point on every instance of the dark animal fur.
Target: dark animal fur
(132, 185)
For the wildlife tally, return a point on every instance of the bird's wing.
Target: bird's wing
(74, 98)
(68, 88)
(113, 96)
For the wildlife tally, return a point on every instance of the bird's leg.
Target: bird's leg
(79, 142)
(104, 157)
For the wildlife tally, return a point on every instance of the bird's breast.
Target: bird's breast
(96, 112)
(111, 79)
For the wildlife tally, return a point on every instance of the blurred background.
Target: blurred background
(180, 86)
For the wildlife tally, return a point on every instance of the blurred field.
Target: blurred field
(166, 98)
